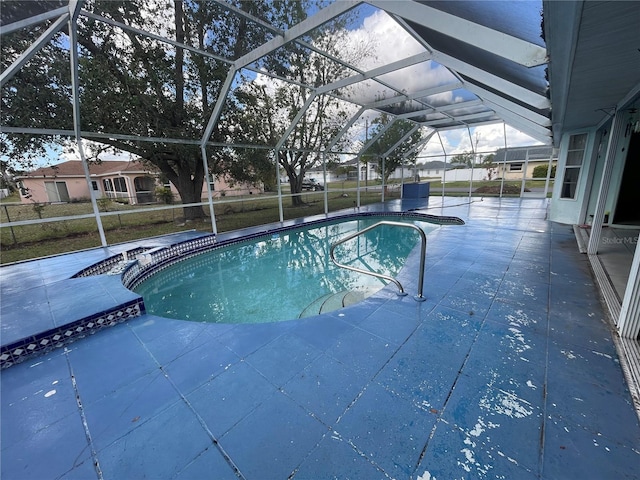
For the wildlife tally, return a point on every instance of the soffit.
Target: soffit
(589, 80)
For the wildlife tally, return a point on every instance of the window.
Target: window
(119, 184)
(56, 191)
(575, 157)
(94, 185)
(515, 167)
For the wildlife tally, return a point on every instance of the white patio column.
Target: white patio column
(207, 178)
(359, 165)
(629, 320)
(280, 208)
(324, 181)
(612, 149)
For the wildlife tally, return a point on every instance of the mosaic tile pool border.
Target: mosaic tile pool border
(61, 336)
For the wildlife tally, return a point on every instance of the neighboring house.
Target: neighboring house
(516, 163)
(127, 181)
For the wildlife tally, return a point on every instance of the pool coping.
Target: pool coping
(132, 266)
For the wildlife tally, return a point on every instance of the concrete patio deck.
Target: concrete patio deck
(508, 370)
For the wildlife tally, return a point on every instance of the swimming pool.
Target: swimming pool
(282, 276)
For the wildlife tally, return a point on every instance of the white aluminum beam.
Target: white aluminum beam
(401, 141)
(500, 84)
(27, 22)
(217, 108)
(296, 119)
(391, 67)
(454, 106)
(420, 144)
(323, 16)
(34, 48)
(413, 96)
(491, 99)
(73, 57)
(501, 44)
(159, 38)
(532, 129)
(345, 128)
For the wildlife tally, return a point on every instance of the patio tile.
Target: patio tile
(209, 463)
(498, 418)
(143, 451)
(273, 440)
(111, 360)
(168, 340)
(423, 373)
(602, 411)
(361, 351)
(24, 314)
(325, 388)
(322, 331)
(580, 328)
(35, 395)
(199, 365)
(395, 321)
(117, 414)
(226, 399)
(590, 365)
(575, 453)
(282, 358)
(465, 297)
(456, 453)
(530, 320)
(524, 293)
(388, 429)
(336, 458)
(243, 340)
(34, 458)
(510, 361)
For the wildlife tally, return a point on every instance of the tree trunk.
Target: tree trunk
(191, 193)
(189, 186)
(295, 182)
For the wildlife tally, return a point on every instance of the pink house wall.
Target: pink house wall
(77, 188)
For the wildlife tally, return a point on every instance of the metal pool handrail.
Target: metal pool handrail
(423, 251)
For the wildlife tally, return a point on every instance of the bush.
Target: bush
(541, 171)
(164, 195)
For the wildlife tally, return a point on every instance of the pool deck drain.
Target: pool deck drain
(507, 370)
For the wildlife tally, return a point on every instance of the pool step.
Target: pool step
(335, 301)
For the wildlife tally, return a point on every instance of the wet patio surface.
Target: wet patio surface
(508, 370)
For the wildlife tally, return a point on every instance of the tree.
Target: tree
(488, 163)
(392, 135)
(465, 158)
(268, 106)
(134, 85)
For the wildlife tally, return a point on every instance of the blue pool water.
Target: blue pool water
(282, 277)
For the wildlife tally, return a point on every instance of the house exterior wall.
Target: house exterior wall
(34, 189)
(507, 171)
(581, 209)
(569, 210)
